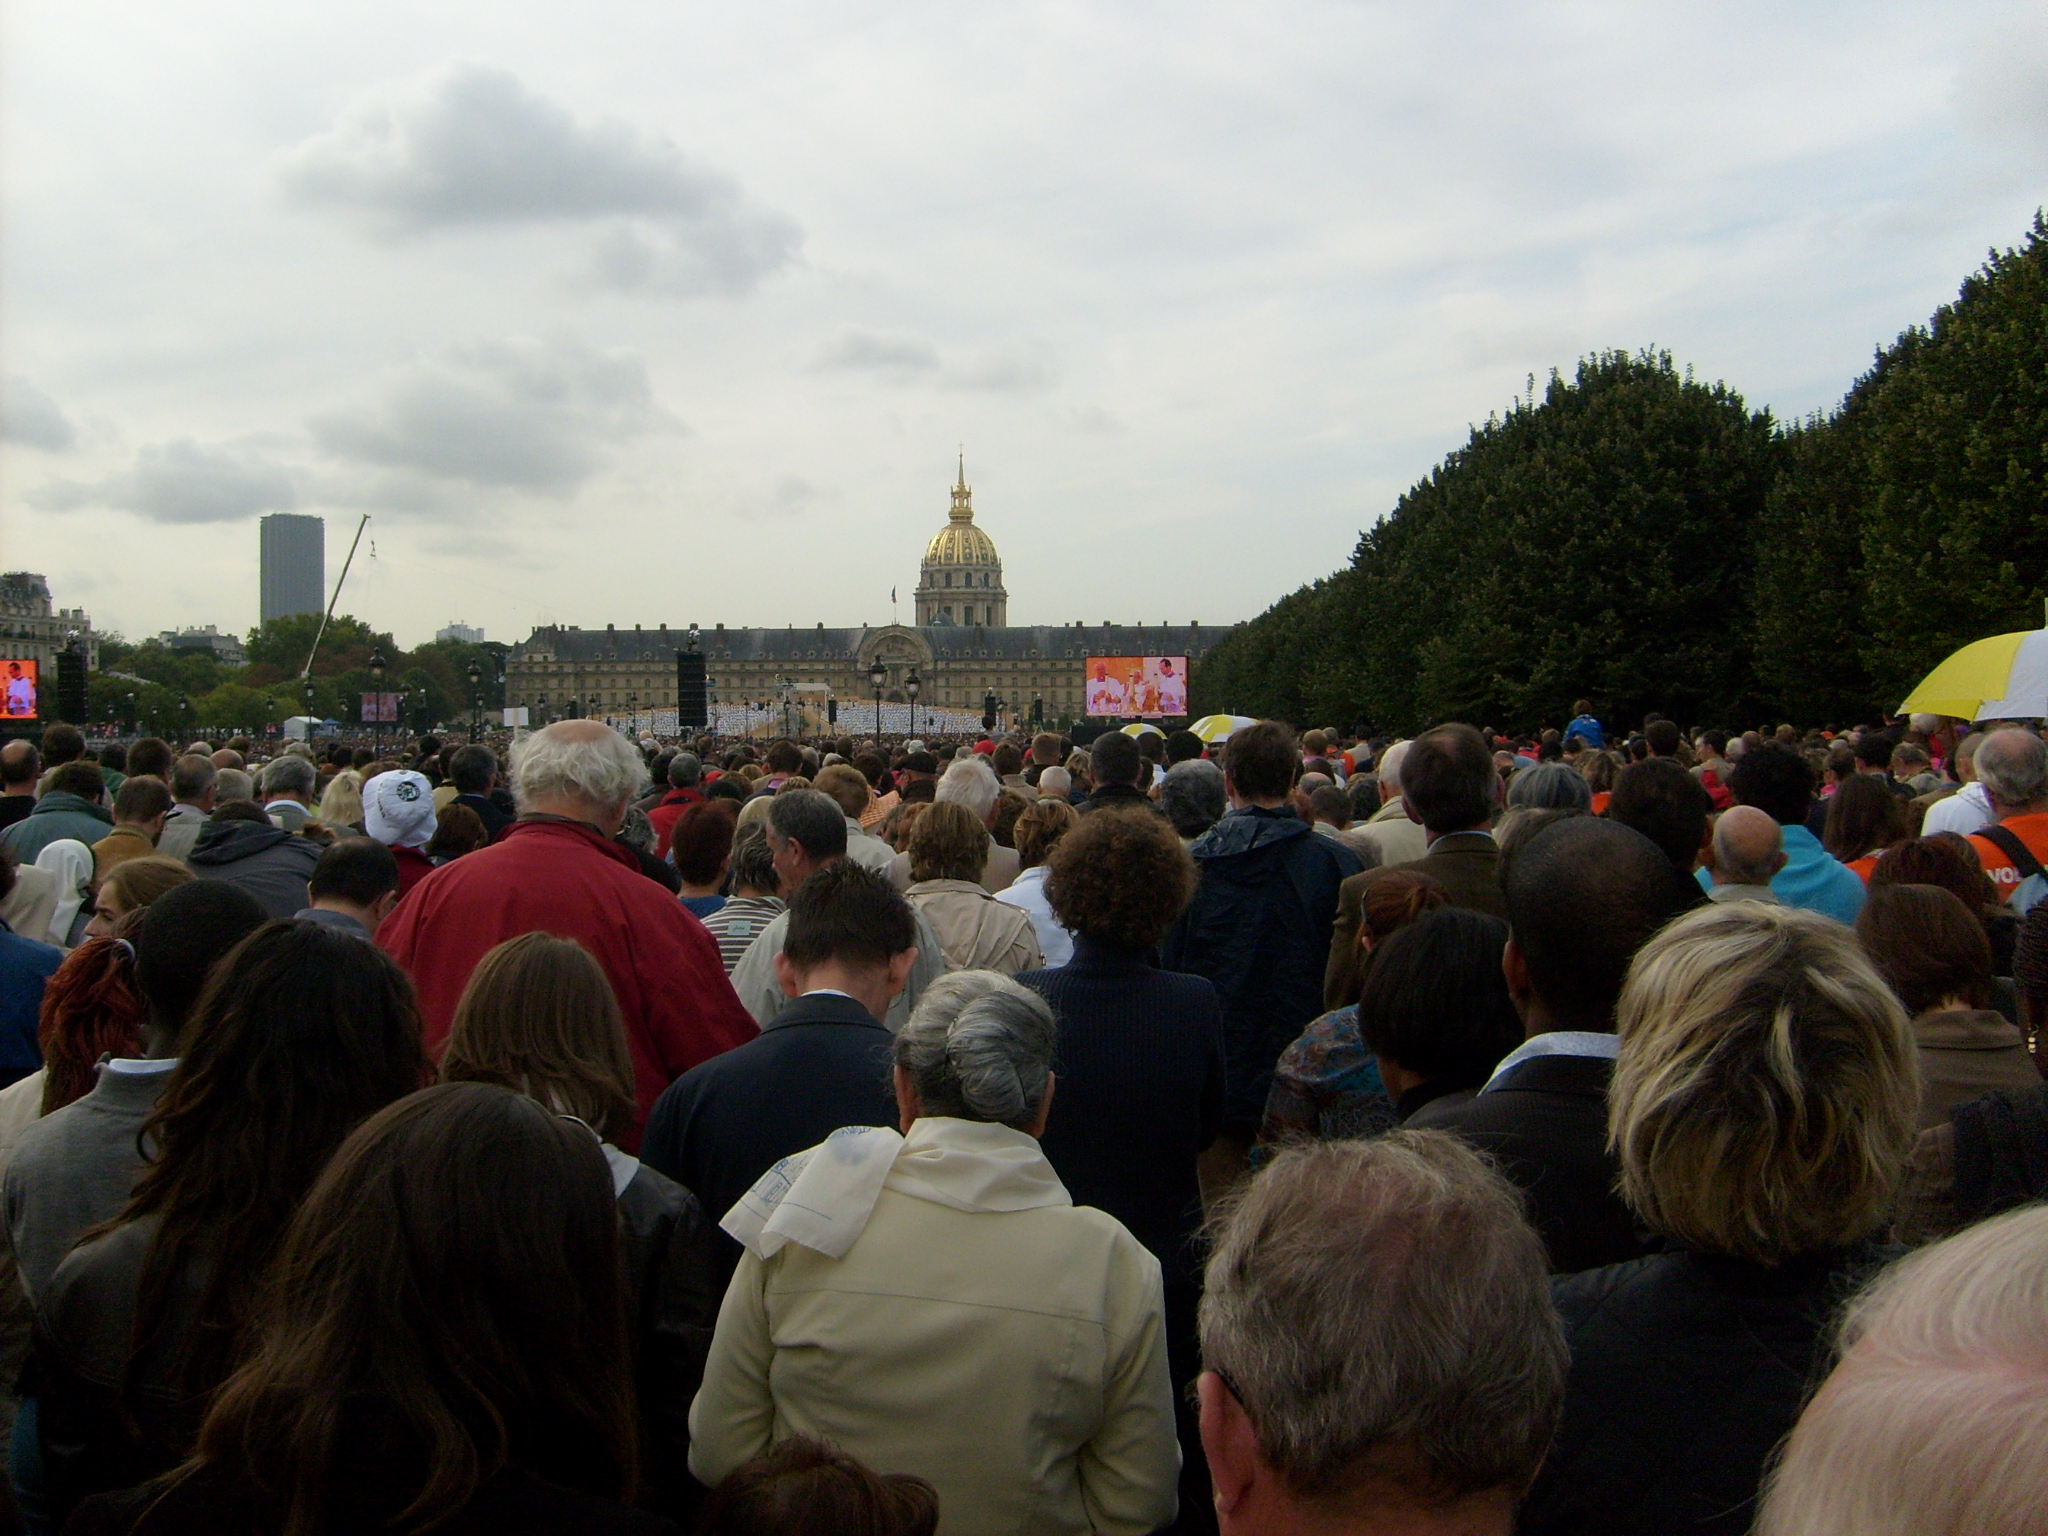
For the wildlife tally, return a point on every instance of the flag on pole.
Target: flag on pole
(892, 594)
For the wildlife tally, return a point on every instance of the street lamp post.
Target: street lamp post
(878, 675)
(134, 725)
(476, 699)
(309, 714)
(911, 688)
(377, 710)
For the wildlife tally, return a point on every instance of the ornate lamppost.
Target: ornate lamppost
(911, 688)
(377, 709)
(476, 699)
(878, 677)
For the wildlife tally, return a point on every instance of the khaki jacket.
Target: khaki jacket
(1964, 1055)
(1014, 1358)
(975, 931)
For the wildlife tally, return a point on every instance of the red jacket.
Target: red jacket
(564, 878)
(663, 817)
(413, 867)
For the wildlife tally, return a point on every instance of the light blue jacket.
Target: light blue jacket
(1812, 878)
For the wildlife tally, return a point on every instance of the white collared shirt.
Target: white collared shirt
(1557, 1042)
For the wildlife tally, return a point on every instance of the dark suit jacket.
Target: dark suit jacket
(488, 812)
(1467, 864)
(1545, 1121)
(822, 1063)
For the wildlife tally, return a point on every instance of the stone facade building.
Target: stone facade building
(960, 650)
(31, 627)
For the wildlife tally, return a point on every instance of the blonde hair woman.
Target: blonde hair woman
(341, 804)
(1935, 1423)
(1762, 1105)
(538, 1017)
(976, 932)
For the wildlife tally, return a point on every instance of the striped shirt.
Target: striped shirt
(738, 923)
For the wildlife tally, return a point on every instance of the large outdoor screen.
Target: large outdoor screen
(20, 673)
(1137, 687)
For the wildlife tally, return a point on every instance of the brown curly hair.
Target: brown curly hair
(1040, 829)
(948, 842)
(1120, 877)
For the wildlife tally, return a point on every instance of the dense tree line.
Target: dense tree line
(148, 686)
(1636, 536)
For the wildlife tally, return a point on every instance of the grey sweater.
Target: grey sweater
(73, 1170)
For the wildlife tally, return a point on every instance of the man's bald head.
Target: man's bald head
(20, 763)
(2012, 765)
(1749, 847)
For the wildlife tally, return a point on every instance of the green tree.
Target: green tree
(1591, 542)
(278, 649)
(1953, 475)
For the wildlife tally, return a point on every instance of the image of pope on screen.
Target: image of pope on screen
(1137, 687)
(21, 690)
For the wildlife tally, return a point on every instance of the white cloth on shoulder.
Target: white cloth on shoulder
(821, 1199)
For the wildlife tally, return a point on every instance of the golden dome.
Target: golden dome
(960, 542)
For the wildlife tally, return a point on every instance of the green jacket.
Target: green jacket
(58, 815)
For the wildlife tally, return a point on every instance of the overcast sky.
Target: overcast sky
(674, 312)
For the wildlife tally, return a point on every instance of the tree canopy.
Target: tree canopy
(1648, 541)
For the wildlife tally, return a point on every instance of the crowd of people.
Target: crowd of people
(1586, 1131)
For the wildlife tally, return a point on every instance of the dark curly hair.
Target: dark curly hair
(1120, 877)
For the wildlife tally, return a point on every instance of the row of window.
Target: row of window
(967, 579)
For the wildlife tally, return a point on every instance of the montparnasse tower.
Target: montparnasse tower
(961, 579)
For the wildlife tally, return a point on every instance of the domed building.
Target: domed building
(961, 580)
(960, 650)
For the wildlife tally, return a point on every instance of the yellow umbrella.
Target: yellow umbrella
(1142, 728)
(1215, 728)
(2004, 677)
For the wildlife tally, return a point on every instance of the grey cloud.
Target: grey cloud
(867, 350)
(520, 414)
(181, 481)
(471, 145)
(28, 415)
(908, 357)
(1007, 371)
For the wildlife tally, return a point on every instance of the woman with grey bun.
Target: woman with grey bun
(934, 1302)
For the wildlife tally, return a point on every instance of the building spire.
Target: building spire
(963, 495)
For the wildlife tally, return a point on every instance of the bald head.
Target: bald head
(2012, 765)
(20, 766)
(1749, 847)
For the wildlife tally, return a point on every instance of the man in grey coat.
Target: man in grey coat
(242, 846)
(192, 788)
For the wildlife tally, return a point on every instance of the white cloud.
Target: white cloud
(28, 415)
(181, 481)
(471, 146)
(521, 414)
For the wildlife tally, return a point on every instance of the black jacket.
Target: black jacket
(210, 1504)
(1259, 930)
(823, 1062)
(1140, 1066)
(1116, 797)
(1687, 1370)
(488, 811)
(1545, 1120)
(674, 1280)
